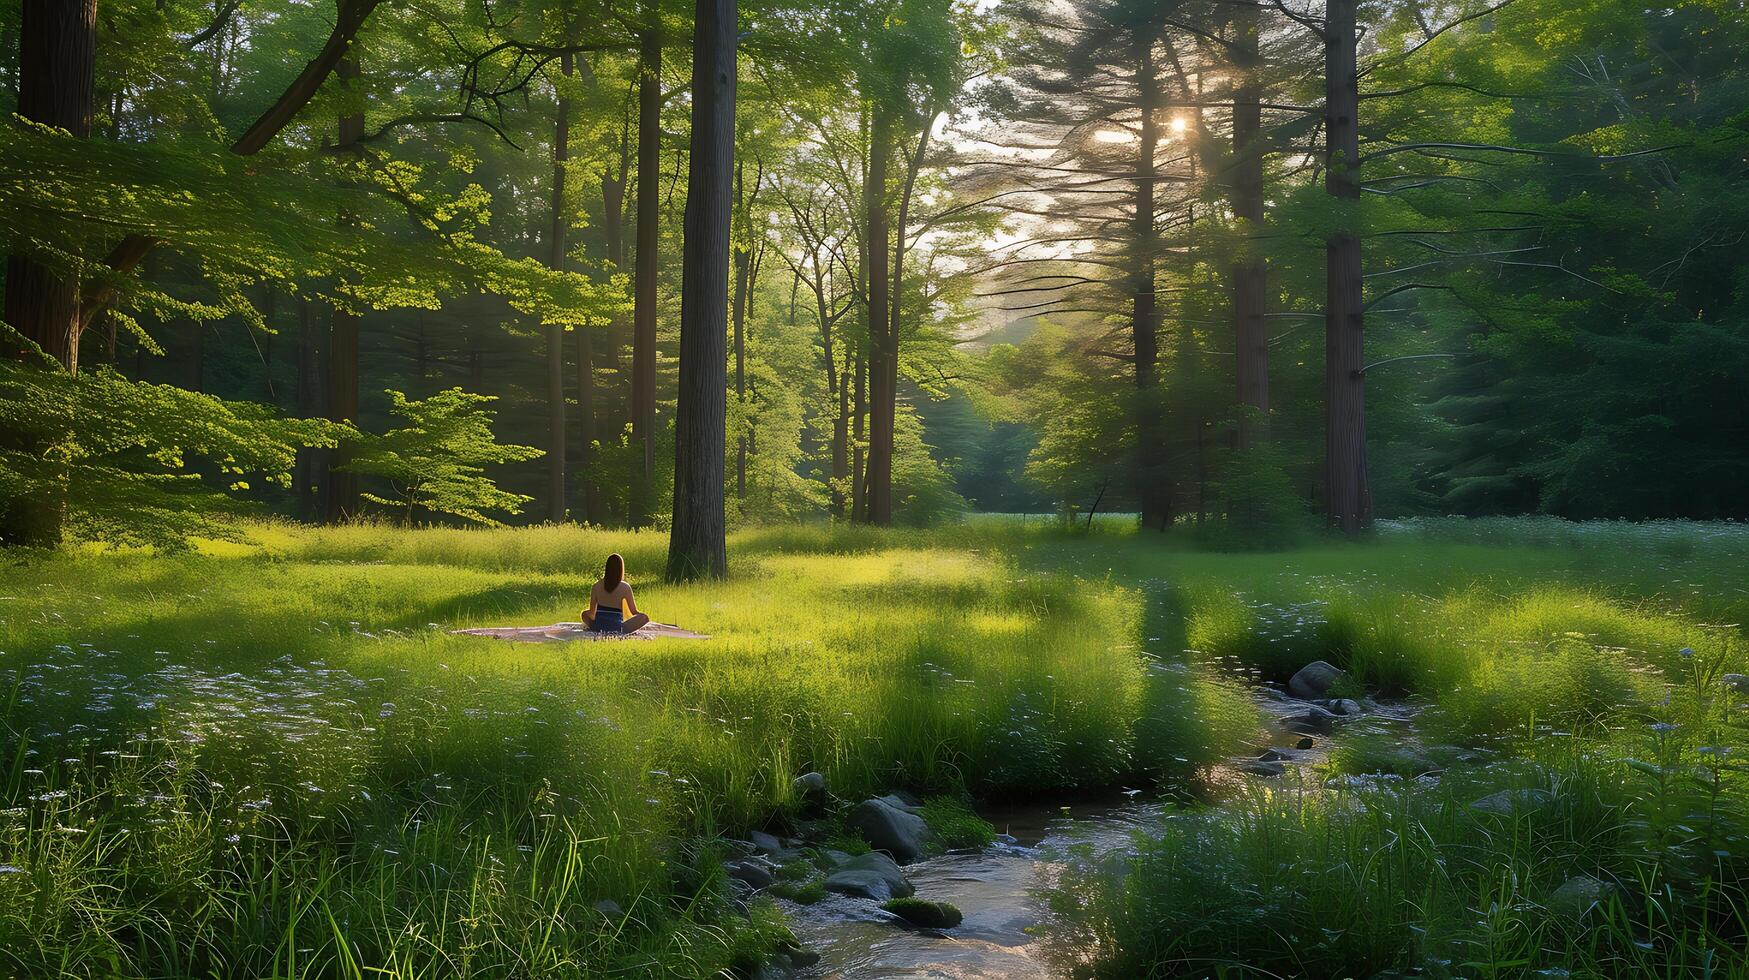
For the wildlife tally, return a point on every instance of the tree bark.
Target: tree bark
(1347, 492)
(1250, 277)
(859, 413)
(648, 229)
(56, 67)
(738, 308)
(1144, 321)
(305, 483)
(340, 488)
(557, 435)
(698, 546)
(882, 355)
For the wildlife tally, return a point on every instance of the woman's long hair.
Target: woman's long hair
(614, 573)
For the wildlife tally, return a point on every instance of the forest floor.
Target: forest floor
(274, 758)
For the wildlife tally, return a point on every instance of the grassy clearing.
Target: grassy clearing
(278, 760)
(274, 759)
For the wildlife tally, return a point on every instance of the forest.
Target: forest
(1123, 488)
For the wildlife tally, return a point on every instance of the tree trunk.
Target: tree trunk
(613, 195)
(859, 412)
(738, 310)
(882, 355)
(340, 488)
(305, 483)
(1144, 321)
(557, 435)
(1347, 493)
(697, 545)
(644, 276)
(840, 393)
(1250, 277)
(56, 66)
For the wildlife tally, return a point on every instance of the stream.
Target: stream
(995, 888)
(998, 888)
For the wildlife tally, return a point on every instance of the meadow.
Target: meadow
(271, 757)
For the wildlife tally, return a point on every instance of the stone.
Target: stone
(801, 957)
(1310, 720)
(810, 786)
(903, 801)
(610, 908)
(887, 828)
(837, 857)
(1577, 896)
(1346, 707)
(870, 875)
(1271, 755)
(739, 848)
(1510, 801)
(1305, 743)
(753, 873)
(926, 914)
(764, 843)
(1314, 680)
(1736, 682)
(1263, 767)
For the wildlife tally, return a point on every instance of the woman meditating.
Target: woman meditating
(605, 613)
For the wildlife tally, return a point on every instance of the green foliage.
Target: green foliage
(1256, 502)
(137, 463)
(954, 824)
(436, 462)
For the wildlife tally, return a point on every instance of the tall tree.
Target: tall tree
(56, 68)
(648, 236)
(1249, 274)
(340, 491)
(883, 354)
(698, 544)
(1347, 489)
(556, 244)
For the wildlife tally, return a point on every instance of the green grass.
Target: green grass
(275, 760)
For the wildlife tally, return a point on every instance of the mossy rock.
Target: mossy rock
(920, 912)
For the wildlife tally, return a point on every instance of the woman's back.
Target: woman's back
(603, 597)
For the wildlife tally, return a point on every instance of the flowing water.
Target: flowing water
(999, 888)
(996, 889)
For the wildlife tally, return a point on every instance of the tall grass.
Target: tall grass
(277, 760)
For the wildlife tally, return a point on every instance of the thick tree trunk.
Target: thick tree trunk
(697, 546)
(1152, 490)
(557, 435)
(1347, 491)
(56, 64)
(882, 351)
(1250, 277)
(340, 488)
(648, 229)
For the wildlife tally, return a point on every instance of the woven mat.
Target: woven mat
(568, 632)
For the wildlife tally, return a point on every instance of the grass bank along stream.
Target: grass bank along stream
(272, 759)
